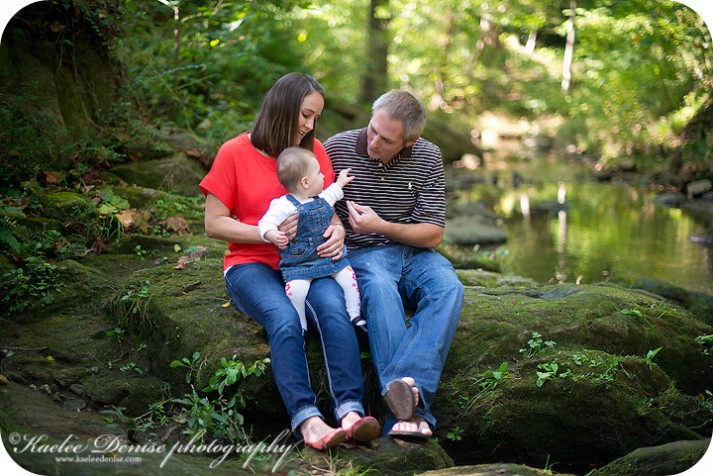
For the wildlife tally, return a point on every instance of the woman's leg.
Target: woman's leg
(258, 291)
(296, 291)
(326, 309)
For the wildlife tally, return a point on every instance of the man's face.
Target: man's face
(385, 137)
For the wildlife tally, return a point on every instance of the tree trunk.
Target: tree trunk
(442, 73)
(375, 79)
(569, 48)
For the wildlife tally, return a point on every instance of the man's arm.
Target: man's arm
(364, 220)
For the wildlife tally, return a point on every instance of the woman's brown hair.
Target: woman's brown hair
(277, 123)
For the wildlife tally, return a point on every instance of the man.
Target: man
(394, 215)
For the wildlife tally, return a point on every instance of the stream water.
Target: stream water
(564, 227)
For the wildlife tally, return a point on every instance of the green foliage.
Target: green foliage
(491, 378)
(707, 342)
(537, 345)
(631, 312)
(455, 433)
(214, 410)
(649, 357)
(192, 365)
(591, 366)
(487, 383)
(35, 284)
(220, 57)
(545, 372)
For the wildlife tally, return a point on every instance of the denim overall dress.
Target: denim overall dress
(299, 258)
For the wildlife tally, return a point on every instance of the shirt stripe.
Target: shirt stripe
(409, 189)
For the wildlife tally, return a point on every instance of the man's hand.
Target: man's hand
(277, 238)
(363, 219)
(333, 247)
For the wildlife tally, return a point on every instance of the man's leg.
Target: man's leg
(430, 286)
(378, 270)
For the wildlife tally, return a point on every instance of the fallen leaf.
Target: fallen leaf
(127, 217)
(3, 380)
(176, 224)
(53, 177)
(196, 253)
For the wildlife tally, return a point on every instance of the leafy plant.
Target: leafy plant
(537, 345)
(218, 415)
(649, 357)
(191, 365)
(631, 312)
(545, 372)
(35, 283)
(455, 433)
(131, 366)
(491, 378)
(707, 342)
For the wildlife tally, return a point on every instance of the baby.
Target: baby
(298, 171)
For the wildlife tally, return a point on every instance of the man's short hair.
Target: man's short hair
(405, 107)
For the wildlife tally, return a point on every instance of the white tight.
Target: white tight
(297, 289)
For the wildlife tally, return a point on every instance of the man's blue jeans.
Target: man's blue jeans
(392, 278)
(258, 291)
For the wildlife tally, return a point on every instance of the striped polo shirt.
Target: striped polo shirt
(409, 189)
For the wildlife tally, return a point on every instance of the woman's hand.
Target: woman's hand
(334, 244)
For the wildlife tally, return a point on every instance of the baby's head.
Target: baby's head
(295, 164)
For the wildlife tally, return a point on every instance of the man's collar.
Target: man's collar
(361, 144)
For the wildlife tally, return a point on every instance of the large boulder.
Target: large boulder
(580, 375)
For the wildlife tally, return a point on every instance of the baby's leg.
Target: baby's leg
(296, 291)
(347, 280)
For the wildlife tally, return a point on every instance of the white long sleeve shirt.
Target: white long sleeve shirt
(280, 208)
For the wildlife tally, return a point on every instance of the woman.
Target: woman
(238, 190)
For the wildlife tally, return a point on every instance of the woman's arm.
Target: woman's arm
(220, 225)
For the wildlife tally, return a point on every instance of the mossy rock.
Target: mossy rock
(698, 303)
(125, 389)
(187, 310)
(494, 469)
(496, 322)
(661, 460)
(392, 456)
(178, 174)
(67, 206)
(579, 418)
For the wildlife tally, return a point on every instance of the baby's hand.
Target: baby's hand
(277, 238)
(344, 177)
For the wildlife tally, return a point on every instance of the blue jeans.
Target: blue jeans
(396, 277)
(259, 291)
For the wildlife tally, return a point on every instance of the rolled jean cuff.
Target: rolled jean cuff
(301, 416)
(346, 407)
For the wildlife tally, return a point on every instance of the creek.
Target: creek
(563, 226)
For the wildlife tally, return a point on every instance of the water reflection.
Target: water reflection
(563, 228)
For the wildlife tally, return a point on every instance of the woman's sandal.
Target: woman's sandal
(364, 429)
(330, 440)
(400, 399)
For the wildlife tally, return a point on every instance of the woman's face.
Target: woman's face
(310, 110)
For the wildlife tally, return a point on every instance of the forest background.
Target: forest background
(615, 80)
